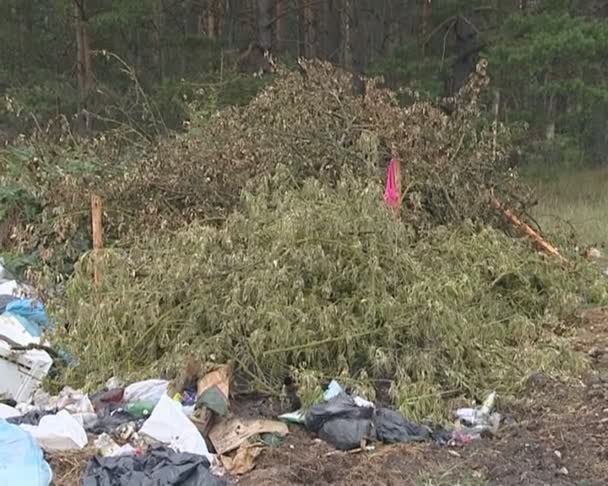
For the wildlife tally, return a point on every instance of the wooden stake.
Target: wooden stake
(540, 242)
(97, 227)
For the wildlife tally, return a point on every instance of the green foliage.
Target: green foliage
(405, 67)
(324, 283)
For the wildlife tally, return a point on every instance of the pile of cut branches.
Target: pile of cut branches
(320, 282)
(312, 125)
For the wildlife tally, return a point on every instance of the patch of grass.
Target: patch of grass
(573, 201)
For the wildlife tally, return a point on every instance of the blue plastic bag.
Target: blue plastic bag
(31, 315)
(21, 460)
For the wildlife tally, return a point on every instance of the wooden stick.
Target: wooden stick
(540, 242)
(97, 227)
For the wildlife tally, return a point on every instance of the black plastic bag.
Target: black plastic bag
(341, 422)
(392, 427)
(31, 418)
(159, 467)
(346, 434)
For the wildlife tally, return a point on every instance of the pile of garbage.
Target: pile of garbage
(140, 434)
(25, 357)
(349, 422)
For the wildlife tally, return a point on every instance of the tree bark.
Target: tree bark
(358, 46)
(193, 19)
(331, 32)
(425, 17)
(310, 31)
(85, 74)
(158, 44)
(264, 23)
(346, 34)
(84, 70)
(281, 25)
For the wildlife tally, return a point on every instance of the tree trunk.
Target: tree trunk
(211, 20)
(158, 44)
(310, 31)
(193, 18)
(264, 23)
(346, 34)
(358, 45)
(425, 21)
(85, 74)
(281, 25)
(331, 30)
(215, 12)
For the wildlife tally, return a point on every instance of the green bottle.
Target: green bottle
(141, 409)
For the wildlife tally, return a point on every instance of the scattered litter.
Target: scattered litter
(213, 390)
(272, 440)
(4, 300)
(228, 434)
(60, 432)
(392, 427)
(346, 422)
(73, 401)
(333, 390)
(22, 370)
(243, 461)
(31, 314)
(340, 422)
(146, 391)
(111, 420)
(169, 425)
(473, 422)
(105, 398)
(113, 383)
(21, 459)
(7, 412)
(106, 447)
(32, 417)
(140, 409)
(159, 467)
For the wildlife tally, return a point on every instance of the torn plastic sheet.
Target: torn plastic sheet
(21, 459)
(169, 425)
(159, 467)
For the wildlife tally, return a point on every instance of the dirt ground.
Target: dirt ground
(557, 434)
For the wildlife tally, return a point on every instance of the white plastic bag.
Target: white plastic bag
(146, 391)
(60, 432)
(168, 424)
(8, 412)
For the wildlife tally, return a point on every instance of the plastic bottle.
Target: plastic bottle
(140, 409)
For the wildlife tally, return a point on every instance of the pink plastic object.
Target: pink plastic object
(391, 193)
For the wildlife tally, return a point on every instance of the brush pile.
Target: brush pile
(309, 275)
(325, 282)
(313, 126)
